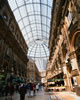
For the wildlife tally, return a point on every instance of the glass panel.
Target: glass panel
(17, 15)
(37, 21)
(44, 10)
(23, 11)
(38, 7)
(38, 26)
(33, 49)
(32, 17)
(49, 12)
(43, 19)
(12, 4)
(31, 40)
(48, 30)
(44, 33)
(29, 34)
(48, 22)
(21, 24)
(26, 21)
(31, 13)
(23, 32)
(33, 26)
(32, 22)
(34, 29)
(19, 2)
(47, 36)
(26, 37)
(35, 37)
(32, 54)
(28, 8)
(50, 2)
(43, 27)
(44, 1)
(36, 34)
(28, 29)
(36, 1)
(44, 22)
(37, 18)
(28, 1)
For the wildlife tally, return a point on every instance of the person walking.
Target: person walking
(29, 89)
(37, 87)
(34, 89)
(22, 91)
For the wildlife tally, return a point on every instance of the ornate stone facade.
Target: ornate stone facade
(64, 42)
(13, 48)
(33, 73)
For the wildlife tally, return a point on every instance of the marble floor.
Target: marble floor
(41, 95)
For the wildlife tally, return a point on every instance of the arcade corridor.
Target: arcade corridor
(40, 49)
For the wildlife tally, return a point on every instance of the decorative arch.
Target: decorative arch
(75, 41)
(74, 32)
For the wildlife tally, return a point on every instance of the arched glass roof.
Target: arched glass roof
(33, 17)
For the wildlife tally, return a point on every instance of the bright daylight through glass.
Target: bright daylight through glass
(33, 17)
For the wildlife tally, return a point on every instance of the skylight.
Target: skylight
(33, 17)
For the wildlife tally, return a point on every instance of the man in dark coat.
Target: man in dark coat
(22, 92)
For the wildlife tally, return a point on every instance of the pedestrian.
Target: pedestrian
(37, 87)
(34, 89)
(17, 88)
(22, 91)
(29, 89)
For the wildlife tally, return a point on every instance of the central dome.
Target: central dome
(33, 17)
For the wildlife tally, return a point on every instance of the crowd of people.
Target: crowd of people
(31, 89)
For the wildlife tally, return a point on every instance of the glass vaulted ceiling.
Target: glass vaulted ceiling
(33, 17)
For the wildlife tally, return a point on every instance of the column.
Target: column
(67, 79)
(75, 69)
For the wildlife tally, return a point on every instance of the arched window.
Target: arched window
(77, 47)
(77, 41)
